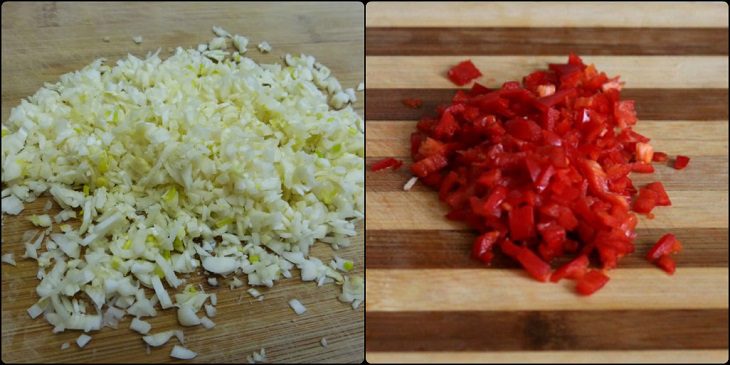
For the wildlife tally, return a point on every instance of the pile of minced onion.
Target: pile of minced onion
(205, 159)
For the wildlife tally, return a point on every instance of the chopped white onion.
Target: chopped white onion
(180, 352)
(207, 323)
(409, 184)
(158, 339)
(83, 340)
(210, 310)
(8, 258)
(140, 326)
(297, 306)
(65, 345)
(187, 317)
(323, 342)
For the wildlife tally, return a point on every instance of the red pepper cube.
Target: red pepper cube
(666, 245)
(413, 103)
(482, 248)
(463, 73)
(667, 264)
(522, 223)
(386, 163)
(591, 282)
(572, 270)
(681, 162)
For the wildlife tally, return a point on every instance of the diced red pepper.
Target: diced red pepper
(428, 165)
(646, 201)
(666, 245)
(413, 103)
(463, 72)
(681, 162)
(482, 248)
(547, 164)
(536, 267)
(660, 157)
(591, 282)
(522, 223)
(662, 198)
(667, 264)
(386, 163)
(572, 270)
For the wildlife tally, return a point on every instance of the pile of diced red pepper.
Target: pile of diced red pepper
(541, 170)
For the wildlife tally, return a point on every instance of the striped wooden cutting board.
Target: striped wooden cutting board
(429, 302)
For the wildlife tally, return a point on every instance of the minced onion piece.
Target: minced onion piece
(180, 352)
(409, 184)
(140, 326)
(158, 339)
(254, 293)
(207, 323)
(41, 220)
(186, 316)
(323, 342)
(137, 39)
(297, 306)
(213, 281)
(65, 345)
(35, 310)
(210, 310)
(8, 258)
(83, 340)
(213, 299)
(11, 205)
(264, 47)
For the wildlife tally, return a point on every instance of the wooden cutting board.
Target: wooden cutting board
(41, 41)
(429, 302)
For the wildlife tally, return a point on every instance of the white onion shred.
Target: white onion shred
(207, 323)
(140, 326)
(8, 258)
(409, 184)
(180, 352)
(323, 342)
(65, 345)
(83, 340)
(158, 339)
(297, 306)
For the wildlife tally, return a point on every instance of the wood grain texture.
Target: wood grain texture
(433, 41)
(415, 249)
(541, 357)
(550, 331)
(428, 301)
(398, 290)
(41, 41)
(641, 72)
(534, 14)
(651, 104)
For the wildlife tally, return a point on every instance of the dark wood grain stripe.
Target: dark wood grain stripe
(545, 41)
(651, 104)
(546, 330)
(709, 173)
(415, 249)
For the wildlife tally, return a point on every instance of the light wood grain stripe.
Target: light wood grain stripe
(423, 211)
(707, 173)
(413, 249)
(651, 104)
(685, 72)
(692, 138)
(431, 41)
(394, 290)
(541, 357)
(545, 14)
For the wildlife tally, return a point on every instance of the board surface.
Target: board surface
(429, 302)
(41, 41)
